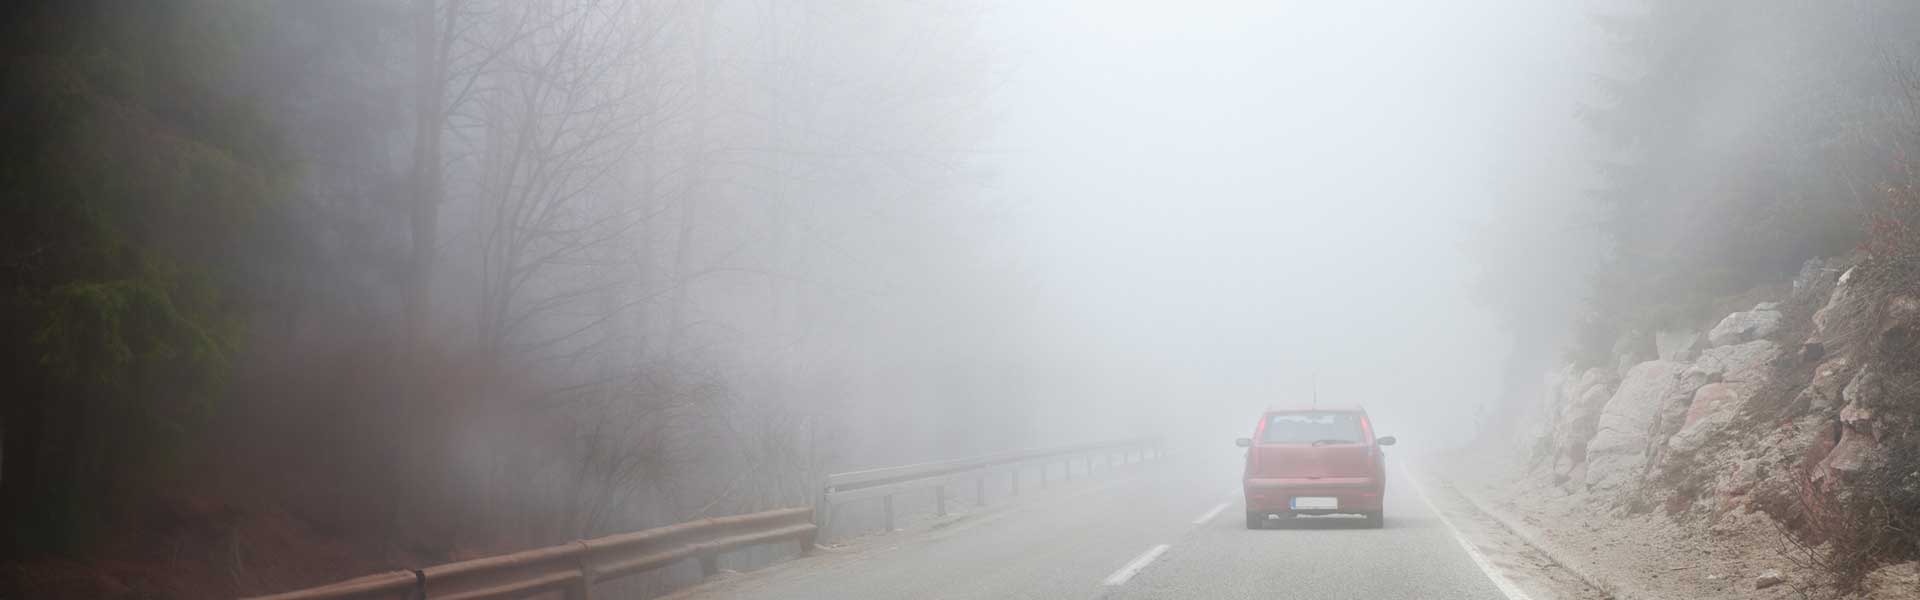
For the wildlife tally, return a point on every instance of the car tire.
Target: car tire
(1376, 520)
(1285, 520)
(1256, 520)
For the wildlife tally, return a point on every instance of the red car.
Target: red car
(1314, 462)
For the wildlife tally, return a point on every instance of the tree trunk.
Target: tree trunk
(430, 71)
(424, 216)
(696, 175)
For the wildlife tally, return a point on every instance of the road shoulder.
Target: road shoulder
(1527, 567)
(1632, 556)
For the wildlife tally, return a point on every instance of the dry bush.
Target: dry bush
(1871, 517)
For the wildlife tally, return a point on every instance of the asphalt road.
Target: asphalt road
(1165, 529)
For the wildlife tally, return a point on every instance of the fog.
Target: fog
(351, 284)
(573, 267)
(1228, 205)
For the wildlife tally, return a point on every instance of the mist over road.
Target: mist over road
(1162, 529)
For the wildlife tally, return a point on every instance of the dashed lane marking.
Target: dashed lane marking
(1211, 514)
(1493, 573)
(1121, 576)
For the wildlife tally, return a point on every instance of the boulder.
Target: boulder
(1713, 399)
(1714, 406)
(1749, 362)
(1827, 329)
(1742, 327)
(1770, 578)
(1577, 425)
(1861, 394)
(1617, 453)
(1893, 582)
(1590, 378)
(1858, 447)
(1824, 394)
(1533, 435)
(1814, 272)
(1899, 328)
(1735, 489)
(1673, 413)
(1680, 345)
(1855, 451)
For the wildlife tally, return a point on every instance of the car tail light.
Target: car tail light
(1253, 457)
(1373, 449)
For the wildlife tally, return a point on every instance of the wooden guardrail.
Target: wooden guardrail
(884, 483)
(572, 569)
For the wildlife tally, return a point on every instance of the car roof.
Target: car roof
(1288, 409)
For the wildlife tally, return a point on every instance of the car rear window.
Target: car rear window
(1310, 427)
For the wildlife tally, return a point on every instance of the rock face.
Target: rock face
(1824, 393)
(1827, 329)
(1672, 425)
(1714, 406)
(1718, 387)
(1617, 453)
(1858, 447)
(1892, 581)
(1747, 326)
(1744, 363)
(1578, 421)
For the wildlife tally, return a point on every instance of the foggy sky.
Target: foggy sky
(1221, 199)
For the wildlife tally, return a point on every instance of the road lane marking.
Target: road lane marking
(1211, 514)
(1121, 576)
(1493, 573)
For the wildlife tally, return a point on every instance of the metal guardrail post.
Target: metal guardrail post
(885, 482)
(822, 509)
(582, 589)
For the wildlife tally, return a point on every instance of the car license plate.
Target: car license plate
(1315, 503)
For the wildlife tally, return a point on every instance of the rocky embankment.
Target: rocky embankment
(1740, 459)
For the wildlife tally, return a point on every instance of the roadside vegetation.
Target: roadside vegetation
(293, 291)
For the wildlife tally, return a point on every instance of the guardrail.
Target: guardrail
(884, 483)
(572, 569)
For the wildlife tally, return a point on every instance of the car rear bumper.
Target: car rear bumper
(1355, 494)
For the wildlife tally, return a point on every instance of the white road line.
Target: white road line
(1211, 514)
(1121, 576)
(1500, 580)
